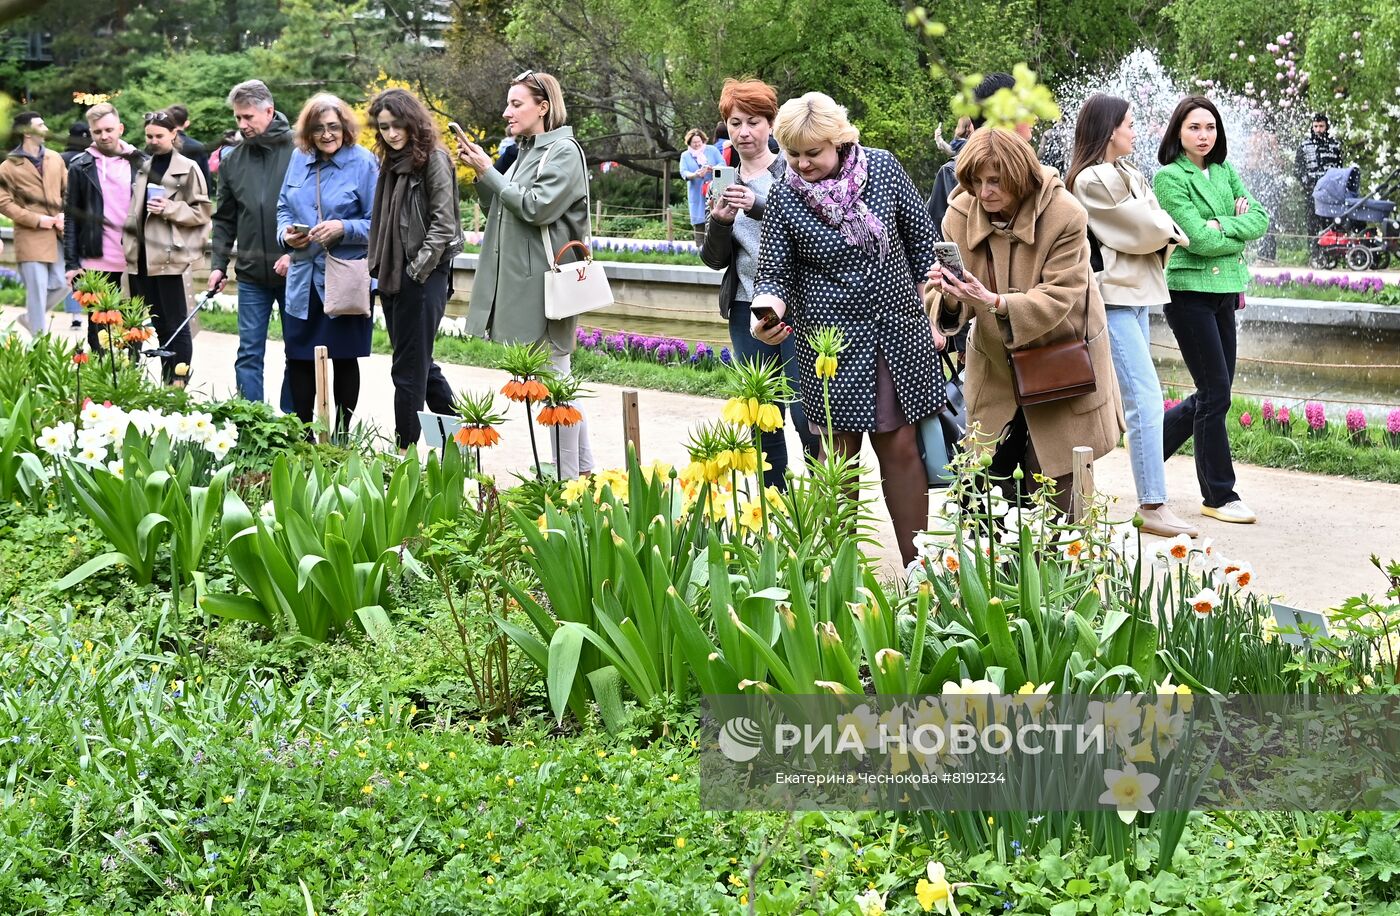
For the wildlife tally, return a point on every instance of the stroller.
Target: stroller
(1362, 231)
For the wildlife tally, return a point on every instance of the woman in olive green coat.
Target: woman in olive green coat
(547, 187)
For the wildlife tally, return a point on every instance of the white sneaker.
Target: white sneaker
(1234, 511)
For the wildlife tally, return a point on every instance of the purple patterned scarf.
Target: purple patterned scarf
(837, 201)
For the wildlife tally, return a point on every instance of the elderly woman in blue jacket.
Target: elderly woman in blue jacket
(325, 204)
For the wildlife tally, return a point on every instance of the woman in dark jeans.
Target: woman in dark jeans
(731, 244)
(414, 232)
(1204, 194)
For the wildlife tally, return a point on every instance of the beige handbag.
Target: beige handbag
(347, 281)
(579, 286)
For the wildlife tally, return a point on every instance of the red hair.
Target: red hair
(754, 96)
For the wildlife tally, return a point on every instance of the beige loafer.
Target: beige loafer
(1162, 522)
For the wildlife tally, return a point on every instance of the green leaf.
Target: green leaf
(564, 650)
(96, 564)
(375, 621)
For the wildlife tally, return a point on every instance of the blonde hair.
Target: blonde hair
(544, 88)
(311, 112)
(813, 119)
(1008, 155)
(99, 111)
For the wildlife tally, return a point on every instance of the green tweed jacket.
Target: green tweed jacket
(1214, 263)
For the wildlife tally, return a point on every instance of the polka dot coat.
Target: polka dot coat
(825, 281)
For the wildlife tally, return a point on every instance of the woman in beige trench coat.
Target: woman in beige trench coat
(1028, 283)
(547, 187)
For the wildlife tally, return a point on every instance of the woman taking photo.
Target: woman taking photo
(547, 188)
(164, 236)
(846, 241)
(1027, 281)
(414, 233)
(731, 245)
(324, 207)
(1204, 195)
(697, 165)
(1130, 236)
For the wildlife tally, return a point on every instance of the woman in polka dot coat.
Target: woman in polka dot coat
(846, 244)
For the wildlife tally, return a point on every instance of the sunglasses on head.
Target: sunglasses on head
(533, 77)
(159, 119)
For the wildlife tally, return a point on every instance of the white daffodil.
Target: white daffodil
(93, 413)
(117, 468)
(57, 440)
(1175, 551)
(92, 456)
(871, 903)
(218, 446)
(1129, 792)
(1238, 574)
(1204, 602)
(863, 725)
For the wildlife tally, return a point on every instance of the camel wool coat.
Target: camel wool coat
(25, 196)
(175, 238)
(1041, 265)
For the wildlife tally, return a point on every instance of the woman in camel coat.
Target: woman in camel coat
(1028, 282)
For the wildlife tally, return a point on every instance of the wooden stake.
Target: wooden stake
(323, 393)
(1082, 485)
(632, 422)
(666, 199)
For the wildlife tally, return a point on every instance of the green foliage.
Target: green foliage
(20, 469)
(1208, 32)
(321, 560)
(151, 502)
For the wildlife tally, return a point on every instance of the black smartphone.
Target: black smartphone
(767, 317)
(462, 134)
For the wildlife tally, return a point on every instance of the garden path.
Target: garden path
(1311, 546)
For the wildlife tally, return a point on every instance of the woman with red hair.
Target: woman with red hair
(731, 245)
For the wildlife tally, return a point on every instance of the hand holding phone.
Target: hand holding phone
(949, 257)
(300, 228)
(766, 316)
(724, 177)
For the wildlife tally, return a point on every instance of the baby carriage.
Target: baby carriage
(1362, 231)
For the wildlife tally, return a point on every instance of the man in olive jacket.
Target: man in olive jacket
(250, 177)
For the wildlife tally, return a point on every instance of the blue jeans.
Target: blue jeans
(1142, 399)
(254, 312)
(774, 444)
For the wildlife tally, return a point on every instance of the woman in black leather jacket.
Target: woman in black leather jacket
(415, 231)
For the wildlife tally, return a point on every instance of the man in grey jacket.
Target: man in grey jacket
(250, 177)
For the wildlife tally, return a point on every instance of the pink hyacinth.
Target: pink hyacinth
(1266, 411)
(1316, 416)
(1356, 420)
(1246, 420)
(1169, 403)
(1392, 422)
(1284, 416)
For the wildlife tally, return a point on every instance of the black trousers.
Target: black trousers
(1204, 325)
(1016, 450)
(169, 309)
(412, 316)
(345, 390)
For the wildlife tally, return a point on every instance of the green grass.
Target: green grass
(1390, 296)
(587, 365)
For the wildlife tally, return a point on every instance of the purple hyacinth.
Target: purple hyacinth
(724, 356)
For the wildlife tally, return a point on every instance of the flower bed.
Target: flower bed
(1331, 287)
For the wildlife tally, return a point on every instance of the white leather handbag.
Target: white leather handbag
(579, 286)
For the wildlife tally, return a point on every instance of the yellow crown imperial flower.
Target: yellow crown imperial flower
(769, 418)
(826, 367)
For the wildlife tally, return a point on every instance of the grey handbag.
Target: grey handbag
(940, 435)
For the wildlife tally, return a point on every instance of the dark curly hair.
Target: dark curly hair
(404, 106)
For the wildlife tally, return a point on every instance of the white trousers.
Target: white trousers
(572, 450)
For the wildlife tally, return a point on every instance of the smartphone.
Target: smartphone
(767, 317)
(461, 134)
(949, 258)
(154, 192)
(724, 176)
(300, 228)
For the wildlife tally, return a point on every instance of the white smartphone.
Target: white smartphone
(724, 177)
(949, 257)
(300, 228)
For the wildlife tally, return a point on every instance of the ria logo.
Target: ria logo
(740, 739)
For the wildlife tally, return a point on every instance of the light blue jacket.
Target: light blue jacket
(347, 183)
(690, 165)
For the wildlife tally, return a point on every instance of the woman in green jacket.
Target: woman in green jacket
(547, 187)
(1204, 195)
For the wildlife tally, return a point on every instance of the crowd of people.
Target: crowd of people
(1042, 285)
(1044, 291)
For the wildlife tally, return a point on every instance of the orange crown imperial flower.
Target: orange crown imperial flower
(564, 415)
(477, 436)
(529, 389)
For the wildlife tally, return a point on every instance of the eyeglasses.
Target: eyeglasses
(326, 130)
(533, 77)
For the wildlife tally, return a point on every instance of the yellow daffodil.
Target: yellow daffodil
(576, 489)
(751, 514)
(934, 892)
